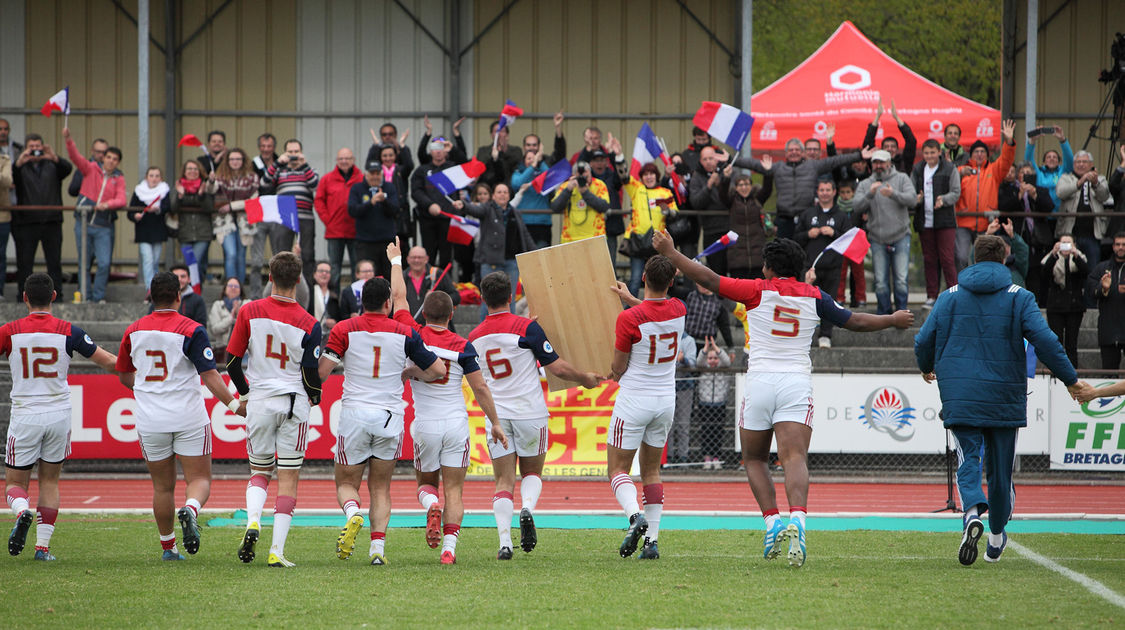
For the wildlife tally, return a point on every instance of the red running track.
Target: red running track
(229, 494)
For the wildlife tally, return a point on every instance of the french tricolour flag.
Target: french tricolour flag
(551, 178)
(273, 209)
(60, 102)
(726, 124)
(461, 229)
(645, 150)
(852, 245)
(508, 115)
(724, 241)
(193, 268)
(453, 179)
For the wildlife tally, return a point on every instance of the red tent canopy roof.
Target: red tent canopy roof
(842, 82)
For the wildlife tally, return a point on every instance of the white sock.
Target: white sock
(377, 545)
(18, 504)
(194, 505)
(973, 511)
(43, 535)
(995, 539)
(449, 543)
(169, 537)
(351, 508)
(281, 524)
(502, 509)
(771, 519)
(799, 516)
(530, 488)
(626, 492)
(653, 495)
(427, 496)
(255, 499)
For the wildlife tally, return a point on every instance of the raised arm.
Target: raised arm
(694, 271)
(398, 282)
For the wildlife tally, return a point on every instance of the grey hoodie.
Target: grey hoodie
(888, 217)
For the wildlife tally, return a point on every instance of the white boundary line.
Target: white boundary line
(1090, 584)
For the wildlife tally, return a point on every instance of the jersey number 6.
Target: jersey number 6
(786, 316)
(504, 365)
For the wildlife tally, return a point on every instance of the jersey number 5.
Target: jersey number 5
(787, 317)
(283, 354)
(33, 367)
(159, 362)
(673, 347)
(499, 368)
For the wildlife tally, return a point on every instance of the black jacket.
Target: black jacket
(40, 184)
(945, 216)
(1041, 236)
(747, 221)
(374, 221)
(494, 232)
(1111, 308)
(704, 198)
(1066, 299)
(151, 227)
(835, 218)
(904, 161)
(424, 193)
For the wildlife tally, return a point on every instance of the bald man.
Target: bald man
(331, 204)
(420, 280)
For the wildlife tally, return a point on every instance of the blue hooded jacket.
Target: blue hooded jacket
(973, 341)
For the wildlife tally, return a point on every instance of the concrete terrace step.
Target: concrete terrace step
(875, 358)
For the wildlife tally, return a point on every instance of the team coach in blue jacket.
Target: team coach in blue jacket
(972, 343)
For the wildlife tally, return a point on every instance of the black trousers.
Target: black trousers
(28, 237)
(1065, 326)
(433, 235)
(828, 280)
(376, 252)
(1111, 356)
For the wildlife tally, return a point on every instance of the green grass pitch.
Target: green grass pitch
(110, 576)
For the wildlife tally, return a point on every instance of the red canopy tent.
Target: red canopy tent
(841, 83)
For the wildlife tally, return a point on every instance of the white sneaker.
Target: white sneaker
(928, 304)
(824, 342)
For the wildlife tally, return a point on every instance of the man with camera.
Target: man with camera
(980, 184)
(373, 203)
(38, 174)
(583, 200)
(293, 177)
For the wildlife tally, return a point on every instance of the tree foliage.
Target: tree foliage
(955, 43)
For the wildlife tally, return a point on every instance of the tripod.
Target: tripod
(1116, 96)
(949, 457)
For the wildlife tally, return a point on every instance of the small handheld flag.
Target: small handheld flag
(190, 140)
(678, 187)
(725, 241)
(60, 102)
(453, 179)
(508, 115)
(273, 209)
(852, 245)
(726, 124)
(645, 150)
(461, 229)
(193, 268)
(551, 178)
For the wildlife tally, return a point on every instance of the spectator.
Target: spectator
(152, 194)
(795, 180)
(1054, 164)
(679, 438)
(420, 280)
(711, 393)
(710, 178)
(951, 149)
(103, 191)
(938, 187)
(1118, 175)
(651, 204)
(816, 229)
(295, 178)
(8, 148)
(235, 180)
(191, 303)
(224, 312)
(744, 200)
(500, 158)
(7, 192)
(812, 149)
(503, 235)
(693, 154)
(1084, 192)
(601, 169)
(1066, 270)
(430, 202)
(887, 197)
(1018, 256)
(267, 156)
(1018, 196)
(980, 183)
(591, 140)
(194, 226)
(38, 175)
(904, 161)
(1106, 287)
(331, 204)
(707, 314)
(455, 149)
(397, 175)
(97, 154)
(583, 201)
(388, 137)
(351, 303)
(858, 170)
(845, 200)
(373, 205)
(324, 303)
(532, 142)
(216, 151)
(539, 223)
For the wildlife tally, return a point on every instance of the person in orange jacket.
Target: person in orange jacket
(980, 185)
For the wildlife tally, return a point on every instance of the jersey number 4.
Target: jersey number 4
(283, 354)
(33, 365)
(673, 340)
(498, 367)
(787, 317)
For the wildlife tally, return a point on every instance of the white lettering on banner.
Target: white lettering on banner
(1090, 436)
(120, 420)
(984, 128)
(769, 131)
(78, 432)
(227, 426)
(846, 98)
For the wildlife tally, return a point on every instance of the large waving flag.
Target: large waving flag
(453, 179)
(645, 150)
(725, 123)
(725, 241)
(461, 229)
(60, 102)
(193, 268)
(551, 178)
(273, 209)
(852, 245)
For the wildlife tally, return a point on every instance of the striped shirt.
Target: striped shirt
(297, 182)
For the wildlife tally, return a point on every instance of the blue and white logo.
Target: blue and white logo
(888, 410)
(88, 340)
(547, 347)
(316, 352)
(208, 354)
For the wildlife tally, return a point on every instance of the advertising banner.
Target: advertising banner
(1090, 436)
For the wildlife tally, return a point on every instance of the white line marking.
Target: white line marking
(91, 499)
(1090, 584)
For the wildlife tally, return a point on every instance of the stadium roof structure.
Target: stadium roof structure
(842, 82)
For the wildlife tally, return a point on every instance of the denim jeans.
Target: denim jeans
(336, 249)
(963, 247)
(99, 247)
(149, 256)
(234, 257)
(891, 259)
(509, 267)
(636, 271)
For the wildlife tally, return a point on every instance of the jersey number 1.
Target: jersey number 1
(33, 367)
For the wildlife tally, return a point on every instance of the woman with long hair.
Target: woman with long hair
(497, 250)
(234, 180)
(152, 195)
(224, 312)
(194, 227)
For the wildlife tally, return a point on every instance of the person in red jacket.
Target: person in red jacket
(331, 204)
(980, 186)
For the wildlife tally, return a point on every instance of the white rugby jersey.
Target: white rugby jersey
(39, 348)
(510, 345)
(782, 314)
(441, 400)
(377, 349)
(280, 337)
(650, 333)
(168, 352)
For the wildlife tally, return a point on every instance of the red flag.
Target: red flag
(189, 140)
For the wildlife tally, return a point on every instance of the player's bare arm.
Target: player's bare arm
(696, 272)
(867, 322)
(398, 283)
(126, 378)
(1084, 392)
(619, 365)
(328, 362)
(416, 373)
(215, 383)
(622, 291)
(484, 399)
(567, 372)
(105, 359)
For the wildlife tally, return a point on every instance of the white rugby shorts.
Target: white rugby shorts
(366, 433)
(772, 397)
(437, 444)
(270, 430)
(34, 437)
(158, 446)
(526, 438)
(640, 418)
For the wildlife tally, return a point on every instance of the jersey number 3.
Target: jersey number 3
(786, 317)
(159, 362)
(33, 367)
